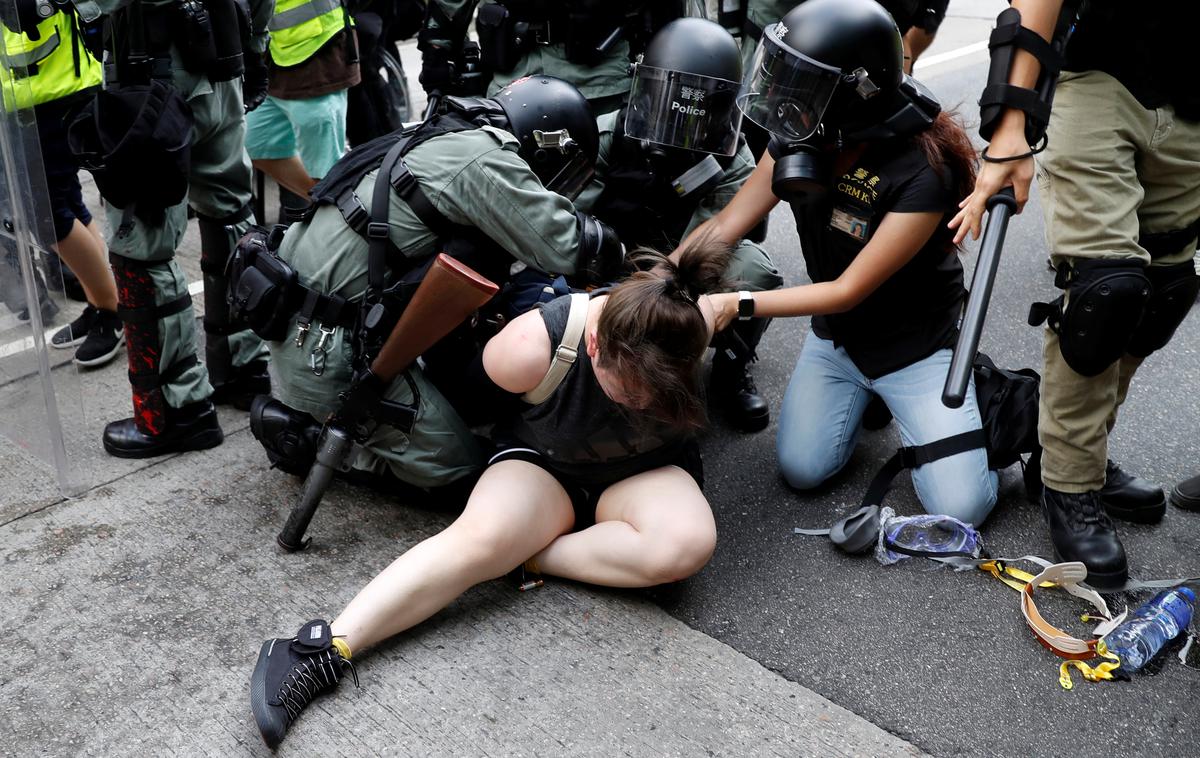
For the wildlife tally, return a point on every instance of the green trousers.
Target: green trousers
(218, 186)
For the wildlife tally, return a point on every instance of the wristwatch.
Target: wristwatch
(745, 306)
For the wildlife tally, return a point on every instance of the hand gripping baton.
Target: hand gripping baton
(1000, 207)
(446, 297)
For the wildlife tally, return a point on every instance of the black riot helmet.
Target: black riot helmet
(557, 131)
(685, 87)
(830, 70)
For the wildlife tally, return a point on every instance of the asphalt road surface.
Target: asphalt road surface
(944, 659)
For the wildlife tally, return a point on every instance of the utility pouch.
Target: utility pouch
(192, 30)
(263, 286)
(502, 39)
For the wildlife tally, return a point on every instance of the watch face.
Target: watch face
(746, 305)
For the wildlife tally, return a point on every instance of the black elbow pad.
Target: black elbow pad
(601, 257)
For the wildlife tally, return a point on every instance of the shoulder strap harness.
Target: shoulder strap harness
(566, 354)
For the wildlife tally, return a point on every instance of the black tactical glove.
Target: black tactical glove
(254, 80)
(360, 403)
(437, 71)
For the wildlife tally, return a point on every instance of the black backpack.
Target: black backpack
(1008, 406)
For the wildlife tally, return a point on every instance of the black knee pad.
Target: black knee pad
(1105, 300)
(1174, 291)
(289, 436)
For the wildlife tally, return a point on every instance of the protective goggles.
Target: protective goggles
(785, 91)
(678, 109)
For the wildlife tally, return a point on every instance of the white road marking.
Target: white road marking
(21, 345)
(946, 57)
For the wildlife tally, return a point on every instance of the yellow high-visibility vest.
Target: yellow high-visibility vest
(57, 65)
(300, 28)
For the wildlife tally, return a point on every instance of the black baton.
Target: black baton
(333, 455)
(1000, 207)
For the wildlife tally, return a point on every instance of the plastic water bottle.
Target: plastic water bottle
(1144, 632)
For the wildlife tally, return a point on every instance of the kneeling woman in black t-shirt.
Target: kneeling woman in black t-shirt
(888, 285)
(599, 482)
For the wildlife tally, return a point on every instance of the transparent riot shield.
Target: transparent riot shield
(38, 389)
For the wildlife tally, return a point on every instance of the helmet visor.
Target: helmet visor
(683, 110)
(784, 91)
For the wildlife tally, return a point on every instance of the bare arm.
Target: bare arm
(752, 202)
(899, 237)
(518, 357)
(1009, 138)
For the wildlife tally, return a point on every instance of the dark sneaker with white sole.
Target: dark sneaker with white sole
(103, 340)
(290, 674)
(76, 332)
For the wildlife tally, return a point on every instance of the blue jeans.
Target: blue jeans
(822, 415)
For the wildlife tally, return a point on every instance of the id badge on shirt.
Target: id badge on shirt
(845, 221)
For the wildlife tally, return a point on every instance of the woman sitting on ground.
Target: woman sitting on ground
(599, 483)
(887, 288)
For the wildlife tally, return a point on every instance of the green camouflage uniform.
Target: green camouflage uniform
(474, 178)
(751, 267)
(219, 185)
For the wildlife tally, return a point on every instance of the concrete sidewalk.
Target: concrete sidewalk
(135, 612)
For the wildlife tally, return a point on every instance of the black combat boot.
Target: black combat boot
(1081, 531)
(290, 673)
(1132, 498)
(732, 385)
(192, 427)
(245, 383)
(1186, 494)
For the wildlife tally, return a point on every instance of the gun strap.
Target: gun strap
(377, 227)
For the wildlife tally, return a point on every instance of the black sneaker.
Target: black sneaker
(290, 673)
(75, 332)
(103, 340)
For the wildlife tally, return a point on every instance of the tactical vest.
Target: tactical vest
(464, 242)
(651, 202)
(300, 28)
(53, 67)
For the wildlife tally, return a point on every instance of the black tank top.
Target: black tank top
(579, 428)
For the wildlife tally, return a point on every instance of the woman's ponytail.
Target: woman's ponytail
(653, 334)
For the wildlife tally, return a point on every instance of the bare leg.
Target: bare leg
(84, 255)
(651, 528)
(916, 41)
(95, 230)
(515, 510)
(287, 172)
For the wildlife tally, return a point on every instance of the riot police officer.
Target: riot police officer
(1121, 198)
(585, 42)
(179, 66)
(671, 159)
(756, 15)
(488, 180)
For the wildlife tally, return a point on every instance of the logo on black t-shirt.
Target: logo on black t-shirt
(852, 212)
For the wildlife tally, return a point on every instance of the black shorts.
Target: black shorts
(61, 166)
(585, 484)
(930, 15)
